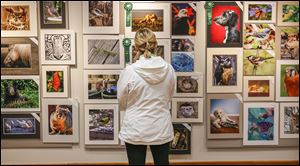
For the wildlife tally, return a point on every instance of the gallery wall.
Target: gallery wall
(78, 153)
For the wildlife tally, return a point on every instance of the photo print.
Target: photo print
(60, 120)
(224, 70)
(189, 85)
(187, 110)
(260, 12)
(58, 47)
(152, 19)
(181, 144)
(55, 81)
(100, 13)
(259, 36)
(182, 45)
(258, 88)
(183, 61)
(289, 120)
(289, 43)
(15, 18)
(290, 13)
(53, 14)
(184, 19)
(289, 80)
(16, 56)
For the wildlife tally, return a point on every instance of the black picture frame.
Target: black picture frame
(44, 25)
(182, 128)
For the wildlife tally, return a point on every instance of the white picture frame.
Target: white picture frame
(280, 85)
(280, 21)
(165, 33)
(215, 52)
(187, 102)
(32, 32)
(53, 131)
(195, 77)
(260, 111)
(110, 29)
(284, 120)
(62, 71)
(17, 92)
(262, 88)
(273, 8)
(87, 51)
(98, 95)
(87, 117)
(48, 49)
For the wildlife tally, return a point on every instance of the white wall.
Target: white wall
(78, 154)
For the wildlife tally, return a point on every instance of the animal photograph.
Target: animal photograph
(183, 61)
(101, 124)
(102, 86)
(259, 36)
(259, 62)
(19, 93)
(52, 12)
(60, 120)
(187, 110)
(184, 19)
(290, 13)
(289, 43)
(55, 81)
(100, 13)
(224, 70)
(16, 56)
(181, 143)
(258, 88)
(260, 12)
(289, 80)
(152, 19)
(224, 116)
(186, 84)
(226, 27)
(182, 45)
(57, 47)
(15, 18)
(291, 120)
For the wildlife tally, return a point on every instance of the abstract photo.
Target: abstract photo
(100, 13)
(258, 88)
(291, 120)
(181, 143)
(260, 12)
(259, 36)
(187, 110)
(289, 45)
(53, 11)
(186, 84)
(152, 19)
(289, 80)
(101, 124)
(183, 61)
(16, 56)
(184, 19)
(259, 62)
(290, 13)
(57, 47)
(102, 86)
(60, 120)
(183, 45)
(15, 18)
(55, 81)
(224, 70)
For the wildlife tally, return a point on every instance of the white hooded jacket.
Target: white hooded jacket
(145, 89)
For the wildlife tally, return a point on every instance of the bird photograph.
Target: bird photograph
(289, 81)
(53, 12)
(259, 36)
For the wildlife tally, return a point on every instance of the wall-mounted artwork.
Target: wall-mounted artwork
(100, 17)
(60, 120)
(19, 56)
(53, 14)
(101, 124)
(287, 80)
(288, 13)
(100, 86)
(260, 12)
(259, 88)
(227, 25)
(224, 115)
(188, 110)
(18, 18)
(20, 93)
(183, 61)
(289, 120)
(184, 19)
(181, 144)
(287, 43)
(20, 126)
(260, 124)
(103, 52)
(154, 16)
(55, 81)
(58, 47)
(189, 85)
(259, 36)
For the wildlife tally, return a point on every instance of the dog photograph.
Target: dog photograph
(16, 56)
(184, 19)
(57, 47)
(291, 120)
(289, 80)
(101, 124)
(290, 13)
(259, 63)
(187, 110)
(259, 36)
(224, 116)
(60, 120)
(55, 81)
(181, 143)
(183, 61)
(224, 70)
(226, 27)
(186, 84)
(289, 43)
(15, 18)
(260, 12)
(102, 86)
(152, 19)
(182, 45)
(100, 13)
(258, 88)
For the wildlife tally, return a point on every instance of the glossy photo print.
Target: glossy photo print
(186, 84)
(258, 88)
(100, 13)
(289, 43)
(259, 36)
(289, 80)
(15, 18)
(289, 120)
(60, 120)
(224, 70)
(181, 144)
(187, 110)
(184, 19)
(53, 14)
(101, 124)
(152, 19)
(260, 12)
(183, 61)
(55, 81)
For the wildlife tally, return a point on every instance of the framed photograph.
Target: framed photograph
(18, 18)
(20, 94)
(189, 85)
(225, 16)
(288, 13)
(259, 88)
(181, 144)
(183, 61)
(20, 126)
(100, 86)
(261, 123)
(58, 47)
(184, 19)
(19, 56)
(60, 121)
(101, 124)
(55, 81)
(260, 12)
(287, 43)
(188, 110)
(53, 14)
(259, 63)
(154, 16)
(287, 80)
(289, 120)
(100, 17)
(163, 50)
(224, 116)
(224, 70)
(259, 36)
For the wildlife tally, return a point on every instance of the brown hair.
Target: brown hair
(145, 43)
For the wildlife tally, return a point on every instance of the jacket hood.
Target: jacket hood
(153, 70)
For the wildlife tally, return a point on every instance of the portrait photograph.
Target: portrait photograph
(289, 120)
(259, 88)
(224, 70)
(181, 144)
(260, 12)
(288, 13)
(184, 19)
(188, 110)
(53, 14)
(189, 84)
(287, 43)
(259, 36)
